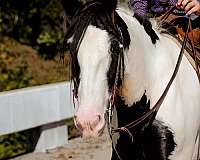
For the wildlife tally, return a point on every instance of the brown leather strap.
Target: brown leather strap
(157, 106)
(194, 51)
(152, 112)
(164, 18)
(166, 15)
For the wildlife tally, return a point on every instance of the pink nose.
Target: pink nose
(91, 125)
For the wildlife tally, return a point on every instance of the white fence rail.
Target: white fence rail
(38, 106)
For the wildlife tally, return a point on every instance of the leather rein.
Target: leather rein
(154, 110)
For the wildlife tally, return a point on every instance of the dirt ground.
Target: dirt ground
(77, 149)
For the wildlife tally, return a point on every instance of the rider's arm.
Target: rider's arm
(139, 7)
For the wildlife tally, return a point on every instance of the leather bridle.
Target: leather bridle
(154, 110)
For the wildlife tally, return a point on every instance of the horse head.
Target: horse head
(97, 44)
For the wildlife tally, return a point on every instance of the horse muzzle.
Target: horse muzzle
(90, 124)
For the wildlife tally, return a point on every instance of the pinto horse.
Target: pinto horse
(115, 63)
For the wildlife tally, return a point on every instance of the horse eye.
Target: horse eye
(115, 47)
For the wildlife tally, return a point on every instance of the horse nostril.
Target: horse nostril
(96, 121)
(99, 117)
(90, 122)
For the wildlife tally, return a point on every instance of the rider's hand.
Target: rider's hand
(190, 6)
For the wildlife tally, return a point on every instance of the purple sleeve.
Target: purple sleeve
(139, 7)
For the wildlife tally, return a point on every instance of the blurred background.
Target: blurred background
(31, 35)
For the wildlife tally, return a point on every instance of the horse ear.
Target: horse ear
(70, 7)
(110, 4)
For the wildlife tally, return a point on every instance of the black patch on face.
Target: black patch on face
(152, 140)
(116, 67)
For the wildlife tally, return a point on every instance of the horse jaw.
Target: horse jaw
(94, 60)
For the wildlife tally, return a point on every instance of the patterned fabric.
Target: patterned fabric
(156, 7)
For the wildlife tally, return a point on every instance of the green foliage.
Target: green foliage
(12, 145)
(37, 23)
(18, 143)
(13, 78)
(20, 66)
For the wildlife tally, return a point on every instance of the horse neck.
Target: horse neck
(144, 63)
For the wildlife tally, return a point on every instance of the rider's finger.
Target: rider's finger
(185, 3)
(189, 6)
(179, 2)
(193, 10)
